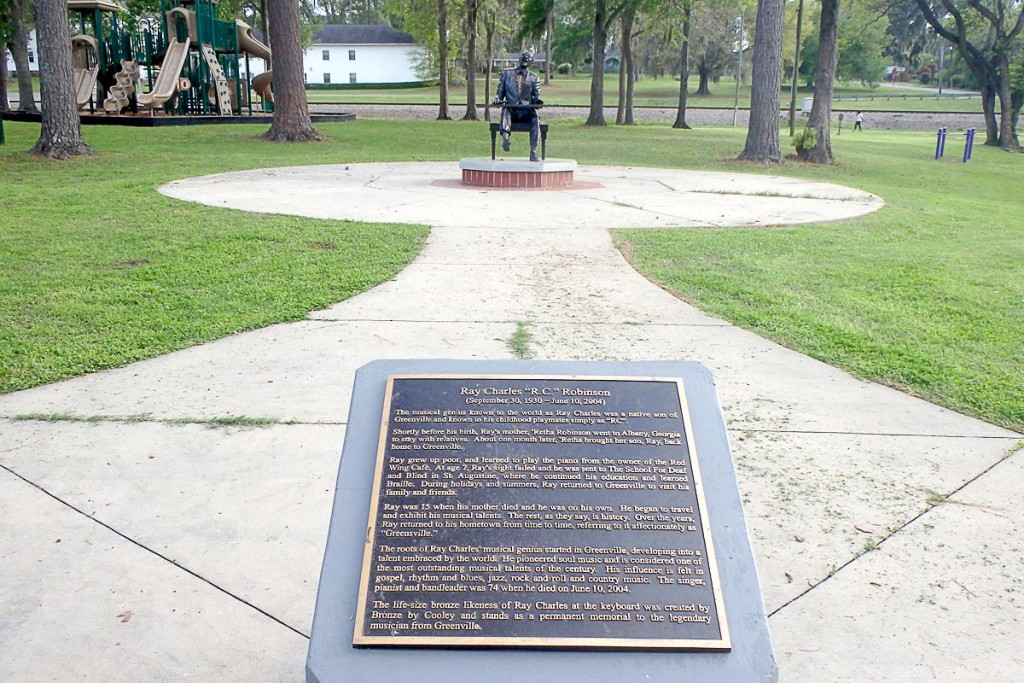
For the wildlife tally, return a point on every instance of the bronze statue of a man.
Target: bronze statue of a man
(519, 96)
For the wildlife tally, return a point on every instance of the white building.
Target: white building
(354, 53)
(33, 56)
(339, 53)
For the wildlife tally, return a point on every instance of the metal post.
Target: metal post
(969, 145)
(2, 139)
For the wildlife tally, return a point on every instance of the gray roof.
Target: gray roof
(359, 34)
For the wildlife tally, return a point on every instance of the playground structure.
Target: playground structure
(185, 61)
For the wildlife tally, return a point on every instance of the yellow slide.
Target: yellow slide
(167, 80)
(250, 44)
(247, 42)
(85, 68)
(261, 84)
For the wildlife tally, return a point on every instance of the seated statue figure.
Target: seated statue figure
(519, 96)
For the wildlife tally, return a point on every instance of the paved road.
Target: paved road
(912, 121)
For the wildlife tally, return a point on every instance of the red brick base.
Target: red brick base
(517, 179)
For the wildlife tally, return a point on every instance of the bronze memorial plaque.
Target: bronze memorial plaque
(543, 512)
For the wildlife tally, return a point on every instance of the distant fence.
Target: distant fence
(929, 96)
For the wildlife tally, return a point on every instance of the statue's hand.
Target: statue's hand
(537, 100)
(497, 101)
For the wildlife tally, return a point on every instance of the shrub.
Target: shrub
(805, 139)
(565, 68)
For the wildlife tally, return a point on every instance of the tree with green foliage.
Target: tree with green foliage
(5, 32)
(291, 109)
(860, 43)
(685, 8)
(815, 145)
(1016, 88)
(19, 13)
(60, 136)
(427, 21)
(762, 142)
(907, 34)
(537, 19)
(5, 104)
(986, 36)
(711, 42)
(472, 11)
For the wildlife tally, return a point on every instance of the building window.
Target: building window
(351, 55)
(351, 78)
(32, 56)
(327, 78)
(327, 55)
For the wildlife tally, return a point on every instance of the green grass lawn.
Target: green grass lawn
(926, 295)
(101, 270)
(664, 92)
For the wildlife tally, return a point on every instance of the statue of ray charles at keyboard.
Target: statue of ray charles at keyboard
(519, 96)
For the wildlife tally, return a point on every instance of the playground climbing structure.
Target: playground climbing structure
(184, 61)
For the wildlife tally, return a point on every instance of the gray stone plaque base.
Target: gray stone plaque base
(332, 657)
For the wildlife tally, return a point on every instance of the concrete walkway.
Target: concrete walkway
(144, 549)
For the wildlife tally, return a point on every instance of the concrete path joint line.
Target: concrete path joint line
(153, 552)
(740, 428)
(892, 533)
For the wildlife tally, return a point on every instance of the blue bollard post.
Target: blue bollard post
(2, 127)
(970, 143)
(938, 142)
(942, 149)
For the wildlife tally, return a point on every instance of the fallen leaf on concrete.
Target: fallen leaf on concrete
(874, 583)
(863, 530)
(789, 578)
(126, 616)
(798, 539)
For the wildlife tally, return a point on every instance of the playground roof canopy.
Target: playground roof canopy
(360, 34)
(102, 5)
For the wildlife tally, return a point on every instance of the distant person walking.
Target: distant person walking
(857, 121)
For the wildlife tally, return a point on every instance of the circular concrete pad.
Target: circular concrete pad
(625, 197)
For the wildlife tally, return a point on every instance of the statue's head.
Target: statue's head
(525, 59)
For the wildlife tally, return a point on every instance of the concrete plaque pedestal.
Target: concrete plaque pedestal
(332, 657)
(517, 173)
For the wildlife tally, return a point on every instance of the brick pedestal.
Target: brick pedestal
(517, 173)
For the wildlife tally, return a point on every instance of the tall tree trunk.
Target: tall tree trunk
(19, 51)
(624, 113)
(821, 110)
(596, 117)
(549, 28)
(958, 32)
(703, 90)
(684, 72)
(442, 58)
(61, 134)
(490, 24)
(291, 110)
(5, 104)
(1007, 129)
(766, 79)
(472, 7)
(620, 106)
(631, 76)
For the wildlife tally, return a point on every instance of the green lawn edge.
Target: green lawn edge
(924, 295)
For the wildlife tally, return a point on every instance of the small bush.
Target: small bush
(565, 68)
(805, 139)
